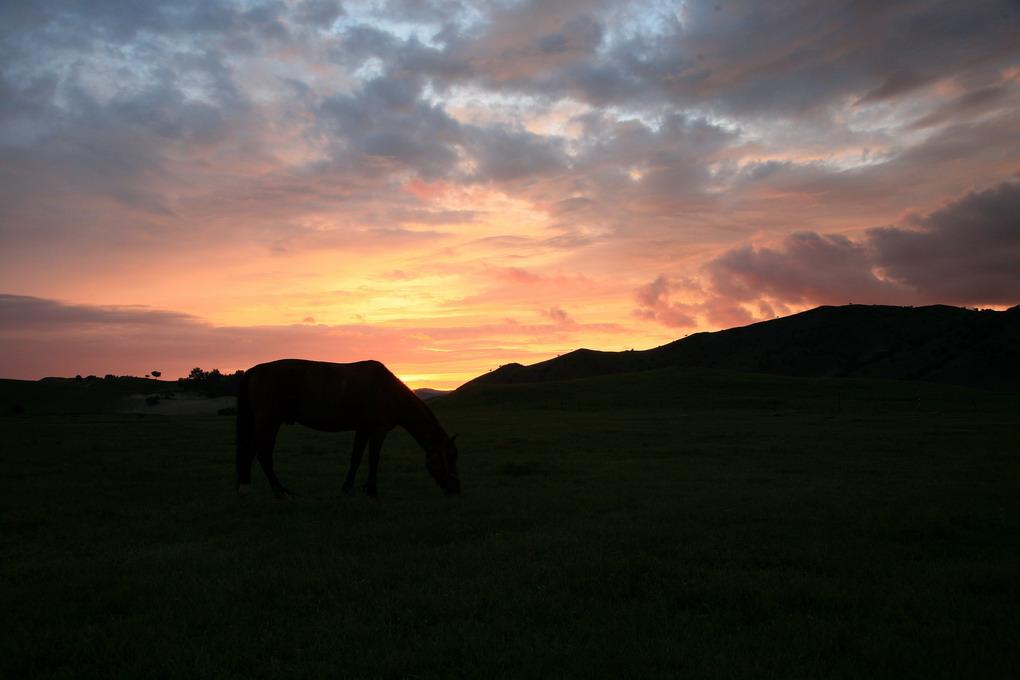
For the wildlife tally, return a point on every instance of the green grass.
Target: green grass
(680, 523)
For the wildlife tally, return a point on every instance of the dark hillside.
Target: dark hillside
(938, 343)
(685, 391)
(70, 396)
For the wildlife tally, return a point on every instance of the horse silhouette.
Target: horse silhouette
(363, 396)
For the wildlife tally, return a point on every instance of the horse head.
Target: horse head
(441, 462)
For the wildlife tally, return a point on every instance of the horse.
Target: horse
(363, 396)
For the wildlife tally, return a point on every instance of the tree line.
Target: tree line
(212, 383)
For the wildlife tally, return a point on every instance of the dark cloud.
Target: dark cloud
(184, 88)
(23, 312)
(388, 120)
(966, 253)
(504, 154)
(799, 57)
(807, 268)
(967, 105)
(426, 11)
(321, 13)
(41, 337)
(530, 39)
(896, 84)
(743, 58)
(632, 169)
(72, 24)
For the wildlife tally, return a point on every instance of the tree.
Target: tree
(156, 374)
(213, 383)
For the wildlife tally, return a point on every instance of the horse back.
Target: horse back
(325, 396)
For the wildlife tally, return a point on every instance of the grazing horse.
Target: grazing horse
(364, 397)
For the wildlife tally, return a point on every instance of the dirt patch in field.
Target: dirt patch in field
(177, 405)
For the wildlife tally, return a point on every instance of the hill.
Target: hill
(938, 343)
(124, 394)
(70, 396)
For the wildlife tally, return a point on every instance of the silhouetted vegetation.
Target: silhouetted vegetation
(213, 383)
(72, 395)
(91, 394)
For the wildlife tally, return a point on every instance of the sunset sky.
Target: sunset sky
(450, 186)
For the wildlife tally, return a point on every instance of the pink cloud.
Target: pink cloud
(806, 268)
(558, 316)
(655, 304)
(517, 275)
(965, 253)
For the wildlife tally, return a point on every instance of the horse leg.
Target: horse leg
(360, 440)
(374, 449)
(265, 442)
(245, 457)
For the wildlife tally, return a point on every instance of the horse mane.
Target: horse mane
(416, 406)
(422, 407)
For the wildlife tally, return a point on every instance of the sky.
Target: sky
(454, 185)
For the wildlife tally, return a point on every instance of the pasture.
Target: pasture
(678, 523)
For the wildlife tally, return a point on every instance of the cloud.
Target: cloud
(558, 280)
(558, 315)
(387, 128)
(806, 268)
(655, 305)
(502, 154)
(48, 337)
(27, 313)
(319, 13)
(219, 97)
(533, 38)
(965, 253)
(896, 84)
(518, 275)
(799, 58)
(966, 106)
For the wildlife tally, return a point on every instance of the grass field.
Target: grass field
(680, 523)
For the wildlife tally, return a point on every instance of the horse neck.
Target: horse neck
(421, 424)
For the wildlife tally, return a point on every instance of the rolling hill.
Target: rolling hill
(937, 343)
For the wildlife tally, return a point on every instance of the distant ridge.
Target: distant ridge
(938, 343)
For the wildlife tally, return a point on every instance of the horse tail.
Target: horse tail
(245, 436)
